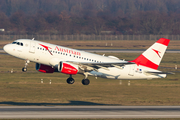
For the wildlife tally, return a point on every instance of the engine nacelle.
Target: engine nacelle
(67, 68)
(44, 68)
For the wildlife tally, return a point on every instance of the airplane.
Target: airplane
(50, 58)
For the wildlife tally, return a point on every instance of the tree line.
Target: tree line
(67, 17)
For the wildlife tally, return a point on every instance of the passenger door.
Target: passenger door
(32, 47)
(131, 71)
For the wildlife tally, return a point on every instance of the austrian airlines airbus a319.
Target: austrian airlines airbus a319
(51, 58)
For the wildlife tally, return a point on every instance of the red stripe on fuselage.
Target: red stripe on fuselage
(47, 48)
(141, 60)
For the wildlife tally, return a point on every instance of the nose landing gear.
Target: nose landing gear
(24, 69)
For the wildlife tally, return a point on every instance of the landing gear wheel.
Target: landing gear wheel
(85, 81)
(70, 80)
(24, 69)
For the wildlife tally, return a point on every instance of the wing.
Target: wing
(95, 66)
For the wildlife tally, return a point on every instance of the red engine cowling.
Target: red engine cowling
(44, 68)
(68, 68)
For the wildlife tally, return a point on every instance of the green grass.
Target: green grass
(26, 89)
(106, 119)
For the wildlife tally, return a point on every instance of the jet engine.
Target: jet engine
(67, 68)
(44, 68)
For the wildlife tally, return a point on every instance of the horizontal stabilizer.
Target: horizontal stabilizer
(159, 72)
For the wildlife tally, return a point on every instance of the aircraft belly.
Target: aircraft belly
(115, 73)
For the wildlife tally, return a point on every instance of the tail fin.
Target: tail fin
(153, 55)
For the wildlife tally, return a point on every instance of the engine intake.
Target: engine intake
(67, 68)
(44, 68)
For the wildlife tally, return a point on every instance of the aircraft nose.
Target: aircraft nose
(5, 48)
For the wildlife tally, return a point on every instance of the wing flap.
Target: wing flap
(95, 66)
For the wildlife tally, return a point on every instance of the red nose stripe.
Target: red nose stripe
(141, 60)
(163, 41)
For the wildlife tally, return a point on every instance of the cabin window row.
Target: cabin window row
(70, 55)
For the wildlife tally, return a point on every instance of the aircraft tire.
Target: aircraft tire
(70, 80)
(85, 81)
(24, 69)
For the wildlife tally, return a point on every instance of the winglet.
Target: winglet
(153, 55)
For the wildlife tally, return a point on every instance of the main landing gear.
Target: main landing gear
(85, 81)
(70, 80)
(24, 69)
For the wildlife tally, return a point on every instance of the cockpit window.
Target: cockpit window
(18, 43)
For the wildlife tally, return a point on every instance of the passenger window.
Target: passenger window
(14, 42)
(21, 44)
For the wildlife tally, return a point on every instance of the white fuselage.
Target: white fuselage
(37, 51)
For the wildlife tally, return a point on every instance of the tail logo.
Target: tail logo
(152, 57)
(157, 52)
